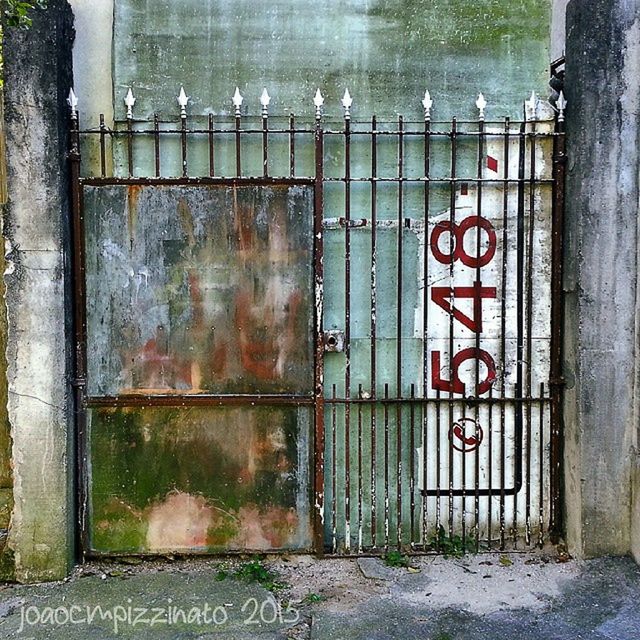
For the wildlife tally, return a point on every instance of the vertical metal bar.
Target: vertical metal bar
(452, 219)
(374, 225)
(238, 150)
(476, 484)
(319, 439)
(265, 145)
(360, 470)
(156, 144)
(425, 326)
(518, 410)
(334, 472)
(103, 152)
(556, 380)
(292, 146)
(80, 333)
(347, 329)
(129, 147)
(503, 327)
(183, 142)
(490, 472)
(438, 471)
(386, 467)
(529, 325)
(412, 448)
(399, 389)
(212, 161)
(541, 443)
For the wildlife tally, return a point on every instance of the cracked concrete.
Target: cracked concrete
(483, 597)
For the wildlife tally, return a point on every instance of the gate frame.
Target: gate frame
(556, 381)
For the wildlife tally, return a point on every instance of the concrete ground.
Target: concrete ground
(488, 596)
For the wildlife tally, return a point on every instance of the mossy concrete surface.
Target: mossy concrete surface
(483, 597)
(601, 283)
(37, 76)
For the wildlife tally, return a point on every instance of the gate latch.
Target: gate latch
(333, 341)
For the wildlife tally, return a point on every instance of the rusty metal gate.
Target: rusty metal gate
(341, 336)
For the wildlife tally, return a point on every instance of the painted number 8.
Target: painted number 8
(458, 233)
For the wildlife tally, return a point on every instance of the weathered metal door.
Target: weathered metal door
(200, 377)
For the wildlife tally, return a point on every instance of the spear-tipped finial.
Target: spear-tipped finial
(129, 101)
(265, 99)
(237, 102)
(183, 100)
(561, 105)
(427, 103)
(530, 106)
(72, 101)
(481, 103)
(318, 101)
(347, 101)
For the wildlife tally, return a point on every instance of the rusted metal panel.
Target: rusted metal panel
(199, 289)
(199, 479)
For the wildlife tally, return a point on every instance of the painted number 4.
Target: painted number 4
(442, 296)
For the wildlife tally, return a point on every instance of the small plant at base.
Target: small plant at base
(221, 575)
(255, 571)
(312, 598)
(450, 546)
(396, 559)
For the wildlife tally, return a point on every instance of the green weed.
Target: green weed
(396, 559)
(312, 598)
(449, 546)
(255, 571)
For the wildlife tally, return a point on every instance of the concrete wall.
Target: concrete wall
(386, 51)
(6, 476)
(601, 272)
(37, 297)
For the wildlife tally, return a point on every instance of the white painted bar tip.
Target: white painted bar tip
(265, 99)
(237, 100)
(481, 103)
(427, 103)
(318, 101)
(561, 105)
(347, 101)
(129, 101)
(72, 101)
(531, 107)
(183, 100)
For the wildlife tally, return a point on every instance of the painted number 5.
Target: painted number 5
(455, 385)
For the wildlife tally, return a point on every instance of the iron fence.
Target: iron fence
(437, 274)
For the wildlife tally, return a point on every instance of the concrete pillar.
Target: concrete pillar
(37, 67)
(601, 272)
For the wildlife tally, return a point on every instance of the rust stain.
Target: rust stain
(133, 192)
(244, 225)
(180, 521)
(265, 529)
(186, 221)
(235, 315)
